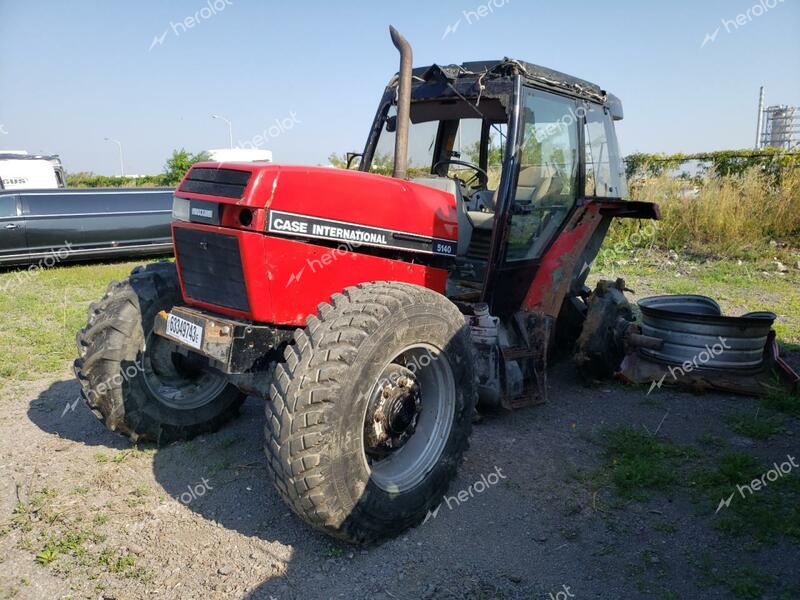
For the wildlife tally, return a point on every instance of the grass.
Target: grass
(755, 426)
(42, 310)
(734, 216)
(782, 401)
(333, 552)
(745, 582)
(765, 515)
(665, 527)
(67, 543)
(638, 462)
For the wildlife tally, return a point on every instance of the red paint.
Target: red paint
(352, 196)
(287, 279)
(556, 266)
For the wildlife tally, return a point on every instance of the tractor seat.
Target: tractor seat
(535, 183)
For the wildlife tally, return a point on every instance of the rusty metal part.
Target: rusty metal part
(393, 412)
(695, 332)
(607, 331)
(400, 170)
(772, 376)
(637, 340)
(231, 346)
(536, 329)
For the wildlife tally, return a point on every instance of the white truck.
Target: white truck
(240, 155)
(22, 171)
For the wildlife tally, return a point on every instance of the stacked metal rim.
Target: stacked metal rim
(694, 330)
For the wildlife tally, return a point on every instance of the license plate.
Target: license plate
(187, 332)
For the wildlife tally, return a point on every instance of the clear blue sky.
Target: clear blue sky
(72, 73)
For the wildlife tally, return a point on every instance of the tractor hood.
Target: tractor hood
(326, 204)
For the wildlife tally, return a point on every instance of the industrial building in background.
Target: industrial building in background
(778, 126)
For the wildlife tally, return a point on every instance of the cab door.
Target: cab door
(13, 247)
(544, 193)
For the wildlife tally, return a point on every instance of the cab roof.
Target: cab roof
(498, 74)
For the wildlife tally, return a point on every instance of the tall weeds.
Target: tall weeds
(734, 216)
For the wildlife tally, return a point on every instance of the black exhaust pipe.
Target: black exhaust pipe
(400, 170)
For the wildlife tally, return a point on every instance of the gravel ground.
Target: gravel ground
(200, 519)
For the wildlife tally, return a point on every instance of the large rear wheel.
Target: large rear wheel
(370, 414)
(137, 382)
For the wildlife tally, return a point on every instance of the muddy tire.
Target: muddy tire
(135, 381)
(370, 414)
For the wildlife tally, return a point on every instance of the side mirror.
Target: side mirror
(391, 124)
(351, 156)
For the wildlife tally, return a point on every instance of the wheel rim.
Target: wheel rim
(176, 380)
(417, 422)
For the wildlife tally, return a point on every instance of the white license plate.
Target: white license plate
(187, 332)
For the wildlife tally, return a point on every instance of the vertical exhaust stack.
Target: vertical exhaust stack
(400, 170)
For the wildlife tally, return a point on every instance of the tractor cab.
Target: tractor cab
(520, 147)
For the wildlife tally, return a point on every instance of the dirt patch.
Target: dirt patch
(534, 510)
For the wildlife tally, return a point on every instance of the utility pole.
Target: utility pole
(121, 163)
(760, 123)
(230, 127)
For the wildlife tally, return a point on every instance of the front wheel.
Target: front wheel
(370, 414)
(138, 383)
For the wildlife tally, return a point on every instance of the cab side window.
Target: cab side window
(547, 181)
(602, 155)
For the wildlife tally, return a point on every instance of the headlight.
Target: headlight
(180, 209)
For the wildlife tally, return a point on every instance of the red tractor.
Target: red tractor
(373, 308)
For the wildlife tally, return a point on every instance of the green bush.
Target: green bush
(90, 180)
(174, 170)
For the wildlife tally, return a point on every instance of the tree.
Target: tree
(179, 163)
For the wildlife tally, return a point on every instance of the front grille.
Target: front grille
(227, 183)
(211, 268)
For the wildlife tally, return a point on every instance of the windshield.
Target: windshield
(421, 142)
(461, 140)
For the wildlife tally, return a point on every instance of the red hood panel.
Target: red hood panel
(346, 196)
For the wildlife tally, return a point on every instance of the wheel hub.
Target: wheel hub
(393, 411)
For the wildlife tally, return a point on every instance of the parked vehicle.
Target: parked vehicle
(373, 312)
(84, 223)
(22, 171)
(240, 155)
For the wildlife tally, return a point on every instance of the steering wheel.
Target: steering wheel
(480, 175)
